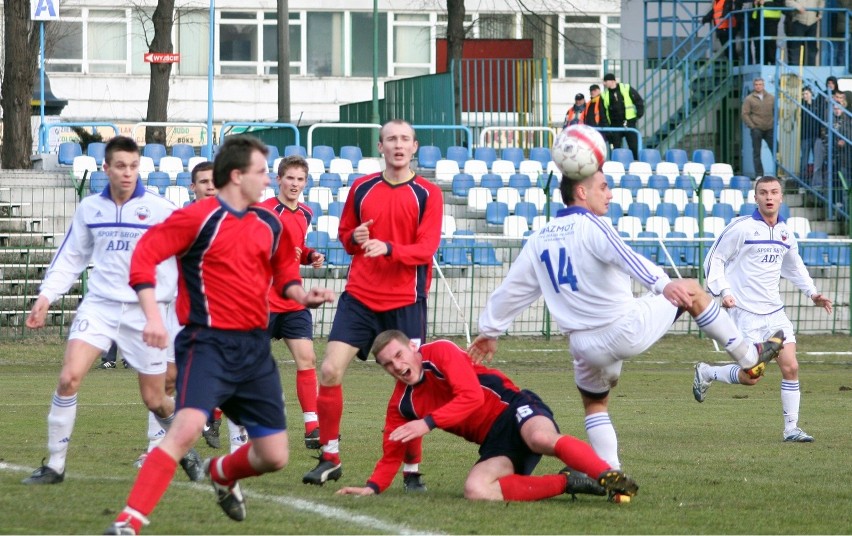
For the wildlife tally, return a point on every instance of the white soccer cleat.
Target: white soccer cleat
(699, 386)
(797, 435)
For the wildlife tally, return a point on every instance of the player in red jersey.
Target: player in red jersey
(289, 320)
(438, 386)
(391, 225)
(229, 251)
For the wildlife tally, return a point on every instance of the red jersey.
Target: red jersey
(296, 223)
(451, 389)
(227, 261)
(408, 218)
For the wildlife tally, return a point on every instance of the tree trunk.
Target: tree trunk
(158, 90)
(283, 61)
(455, 41)
(19, 69)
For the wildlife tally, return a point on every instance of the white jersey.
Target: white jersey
(748, 260)
(581, 266)
(106, 234)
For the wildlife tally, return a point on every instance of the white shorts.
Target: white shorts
(101, 322)
(598, 354)
(758, 328)
(174, 328)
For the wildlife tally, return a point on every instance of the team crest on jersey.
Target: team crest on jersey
(784, 236)
(143, 213)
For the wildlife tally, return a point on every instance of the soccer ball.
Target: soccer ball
(579, 151)
(756, 371)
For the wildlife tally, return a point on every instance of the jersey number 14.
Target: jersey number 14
(564, 273)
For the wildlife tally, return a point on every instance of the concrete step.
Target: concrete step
(24, 287)
(26, 256)
(20, 225)
(23, 270)
(30, 239)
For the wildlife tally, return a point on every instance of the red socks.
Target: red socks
(414, 451)
(580, 456)
(329, 412)
(152, 482)
(306, 392)
(532, 488)
(217, 414)
(235, 466)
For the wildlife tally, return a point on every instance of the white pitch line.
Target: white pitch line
(295, 503)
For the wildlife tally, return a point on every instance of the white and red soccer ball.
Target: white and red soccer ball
(579, 151)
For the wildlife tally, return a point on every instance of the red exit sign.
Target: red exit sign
(161, 57)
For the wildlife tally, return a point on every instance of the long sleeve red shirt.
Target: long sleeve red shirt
(227, 261)
(408, 218)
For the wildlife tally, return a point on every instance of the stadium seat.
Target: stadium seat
(476, 169)
(491, 181)
(343, 167)
(639, 210)
(504, 168)
(171, 165)
(747, 209)
(520, 182)
(352, 153)
(614, 169)
(298, 150)
(741, 183)
(459, 154)
(815, 254)
(677, 156)
(324, 153)
(714, 183)
(554, 181)
(620, 154)
(709, 199)
(539, 222)
(682, 253)
(640, 169)
(541, 155)
(660, 183)
(428, 156)
(317, 240)
(631, 182)
(554, 208)
(331, 181)
(484, 254)
(714, 224)
(536, 196)
(337, 256)
(658, 224)
(623, 197)
(668, 211)
(328, 224)
(154, 151)
(316, 167)
(486, 154)
(527, 210)
(496, 212)
(696, 169)
(651, 156)
(83, 165)
(160, 180)
(68, 150)
(686, 225)
(446, 169)
(462, 183)
(272, 156)
(704, 156)
(646, 248)
(630, 225)
(453, 254)
(649, 196)
(478, 198)
(732, 197)
(179, 195)
(194, 161)
(316, 209)
(343, 193)
(335, 208)
(98, 180)
(508, 195)
(448, 224)
(184, 151)
(531, 168)
(209, 153)
(725, 171)
(615, 212)
(609, 181)
(677, 197)
(667, 169)
(799, 225)
(184, 178)
(321, 195)
(513, 154)
(515, 226)
(724, 211)
(146, 166)
(839, 254)
(97, 150)
(691, 210)
(685, 182)
(784, 211)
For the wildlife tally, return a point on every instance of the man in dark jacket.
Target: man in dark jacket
(595, 115)
(623, 106)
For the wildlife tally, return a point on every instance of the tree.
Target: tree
(455, 42)
(158, 88)
(20, 43)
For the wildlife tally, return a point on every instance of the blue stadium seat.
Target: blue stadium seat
(631, 182)
(67, 151)
(685, 182)
(331, 180)
(496, 212)
(184, 178)
(682, 253)
(352, 153)
(184, 151)
(336, 255)
(335, 208)
(704, 156)
(620, 154)
(741, 183)
(520, 182)
(492, 182)
(453, 254)
(428, 156)
(640, 210)
(668, 211)
(715, 183)
(691, 209)
(272, 156)
(555, 206)
(677, 156)
(747, 209)
(514, 155)
(297, 150)
(97, 150)
(464, 237)
(615, 212)
(541, 182)
(784, 211)
(660, 182)
(352, 178)
(651, 156)
(839, 254)
(98, 180)
(484, 254)
(206, 153)
(817, 235)
(462, 183)
(317, 240)
(814, 254)
(527, 210)
(273, 182)
(646, 249)
(459, 154)
(316, 208)
(486, 154)
(324, 153)
(609, 181)
(155, 151)
(724, 211)
(541, 154)
(160, 179)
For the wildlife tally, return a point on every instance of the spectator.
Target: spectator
(594, 116)
(767, 13)
(832, 88)
(842, 155)
(727, 28)
(805, 23)
(758, 115)
(576, 113)
(812, 113)
(624, 107)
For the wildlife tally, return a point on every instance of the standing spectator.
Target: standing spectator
(230, 252)
(838, 31)
(576, 113)
(758, 114)
(727, 27)
(290, 320)
(583, 269)
(595, 116)
(765, 11)
(842, 151)
(833, 89)
(745, 266)
(805, 24)
(624, 107)
(437, 386)
(812, 114)
(391, 225)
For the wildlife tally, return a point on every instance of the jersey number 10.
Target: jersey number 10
(564, 275)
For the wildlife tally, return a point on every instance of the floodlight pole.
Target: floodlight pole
(210, 67)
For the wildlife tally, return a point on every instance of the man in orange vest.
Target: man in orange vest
(727, 28)
(594, 116)
(576, 113)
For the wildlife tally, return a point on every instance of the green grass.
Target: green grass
(711, 468)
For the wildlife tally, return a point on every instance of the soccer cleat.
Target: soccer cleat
(230, 498)
(107, 364)
(699, 386)
(192, 465)
(312, 439)
(140, 460)
(211, 434)
(617, 483)
(120, 527)
(412, 482)
(324, 471)
(576, 482)
(44, 475)
(766, 352)
(797, 435)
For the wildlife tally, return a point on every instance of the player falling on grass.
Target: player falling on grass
(583, 268)
(229, 252)
(438, 386)
(104, 232)
(290, 320)
(391, 225)
(745, 266)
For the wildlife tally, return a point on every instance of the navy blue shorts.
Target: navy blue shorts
(291, 325)
(356, 325)
(504, 438)
(232, 370)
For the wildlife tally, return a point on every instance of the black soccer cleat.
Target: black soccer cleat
(230, 498)
(616, 482)
(324, 471)
(44, 475)
(312, 439)
(769, 349)
(192, 465)
(211, 434)
(413, 483)
(577, 482)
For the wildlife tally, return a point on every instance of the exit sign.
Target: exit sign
(161, 57)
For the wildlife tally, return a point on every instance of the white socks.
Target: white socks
(724, 374)
(719, 327)
(237, 435)
(790, 397)
(310, 416)
(602, 438)
(60, 424)
(156, 433)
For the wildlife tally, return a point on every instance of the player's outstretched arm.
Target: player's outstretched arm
(352, 490)
(482, 349)
(821, 301)
(38, 313)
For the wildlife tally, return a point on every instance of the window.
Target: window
(544, 31)
(64, 43)
(238, 42)
(412, 44)
(106, 43)
(362, 43)
(193, 39)
(496, 26)
(586, 41)
(325, 44)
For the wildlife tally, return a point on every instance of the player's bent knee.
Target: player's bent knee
(477, 491)
(331, 374)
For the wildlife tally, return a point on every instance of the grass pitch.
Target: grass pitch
(711, 468)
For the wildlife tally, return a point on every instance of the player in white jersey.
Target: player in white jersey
(744, 267)
(104, 232)
(583, 268)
